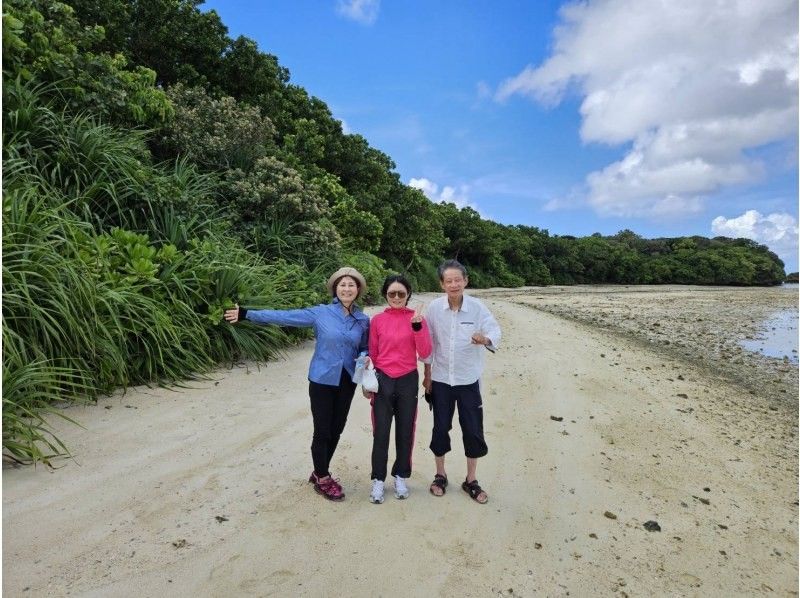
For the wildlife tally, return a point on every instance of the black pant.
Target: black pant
(396, 397)
(470, 416)
(329, 408)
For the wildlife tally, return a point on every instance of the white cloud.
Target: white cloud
(361, 11)
(777, 231)
(689, 85)
(458, 196)
(429, 188)
(570, 201)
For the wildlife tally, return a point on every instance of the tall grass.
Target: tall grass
(115, 272)
(42, 329)
(31, 393)
(103, 169)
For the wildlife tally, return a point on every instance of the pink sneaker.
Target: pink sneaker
(329, 488)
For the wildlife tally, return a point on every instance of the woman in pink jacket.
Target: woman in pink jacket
(396, 337)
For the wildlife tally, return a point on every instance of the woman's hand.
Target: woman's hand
(367, 394)
(416, 319)
(232, 315)
(419, 313)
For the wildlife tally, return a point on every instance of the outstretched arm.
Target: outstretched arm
(281, 317)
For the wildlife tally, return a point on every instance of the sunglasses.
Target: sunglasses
(396, 294)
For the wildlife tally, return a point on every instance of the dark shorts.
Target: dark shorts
(470, 416)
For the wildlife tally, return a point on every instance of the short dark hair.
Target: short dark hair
(451, 265)
(393, 278)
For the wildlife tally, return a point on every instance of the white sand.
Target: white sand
(135, 513)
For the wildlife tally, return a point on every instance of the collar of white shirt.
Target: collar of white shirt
(464, 304)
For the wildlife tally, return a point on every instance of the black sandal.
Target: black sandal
(474, 490)
(439, 481)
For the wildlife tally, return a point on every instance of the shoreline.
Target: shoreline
(202, 491)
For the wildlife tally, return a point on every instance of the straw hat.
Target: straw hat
(351, 272)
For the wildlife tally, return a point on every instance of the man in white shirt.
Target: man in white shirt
(462, 328)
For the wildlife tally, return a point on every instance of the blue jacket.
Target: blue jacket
(340, 337)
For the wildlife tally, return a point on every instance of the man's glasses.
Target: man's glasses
(396, 294)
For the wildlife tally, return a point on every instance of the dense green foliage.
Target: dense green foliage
(157, 171)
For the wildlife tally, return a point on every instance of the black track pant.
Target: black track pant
(396, 398)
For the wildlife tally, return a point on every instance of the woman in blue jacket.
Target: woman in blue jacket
(341, 330)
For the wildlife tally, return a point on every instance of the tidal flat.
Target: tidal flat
(703, 325)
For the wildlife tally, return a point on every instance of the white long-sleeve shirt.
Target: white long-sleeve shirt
(456, 360)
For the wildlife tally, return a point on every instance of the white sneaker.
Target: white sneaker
(376, 496)
(400, 488)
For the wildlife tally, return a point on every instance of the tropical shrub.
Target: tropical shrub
(216, 133)
(84, 313)
(115, 271)
(274, 192)
(43, 41)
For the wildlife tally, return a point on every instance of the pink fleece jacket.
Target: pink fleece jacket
(393, 345)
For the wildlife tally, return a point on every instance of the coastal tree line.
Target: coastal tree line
(157, 170)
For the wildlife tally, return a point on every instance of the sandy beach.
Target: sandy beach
(601, 426)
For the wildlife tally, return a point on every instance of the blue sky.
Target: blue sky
(669, 119)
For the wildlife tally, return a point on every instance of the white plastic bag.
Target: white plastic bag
(369, 381)
(365, 375)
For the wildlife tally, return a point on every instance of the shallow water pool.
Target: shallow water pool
(778, 337)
